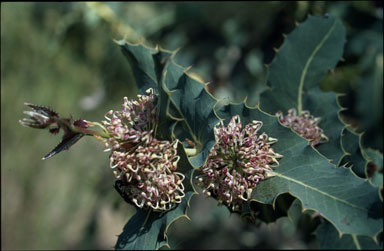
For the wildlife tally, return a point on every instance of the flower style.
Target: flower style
(146, 166)
(237, 163)
(305, 125)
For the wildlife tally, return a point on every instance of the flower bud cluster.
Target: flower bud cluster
(41, 117)
(240, 159)
(305, 125)
(146, 166)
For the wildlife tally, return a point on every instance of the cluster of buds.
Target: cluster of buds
(240, 159)
(42, 117)
(146, 166)
(305, 125)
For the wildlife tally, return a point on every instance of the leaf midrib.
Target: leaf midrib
(319, 191)
(307, 64)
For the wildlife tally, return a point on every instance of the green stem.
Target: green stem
(66, 123)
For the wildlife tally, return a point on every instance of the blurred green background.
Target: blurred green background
(62, 55)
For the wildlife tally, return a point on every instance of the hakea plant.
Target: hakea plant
(232, 161)
(305, 124)
(240, 159)
(145, 165)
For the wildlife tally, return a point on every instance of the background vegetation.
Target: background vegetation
(63, 55)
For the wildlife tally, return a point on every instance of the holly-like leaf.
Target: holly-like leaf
(147, 229)
(330, 239)
(141, 60)
(195, 107)
(350, 203)
(186, 108)
(294, 76)
(351, 143)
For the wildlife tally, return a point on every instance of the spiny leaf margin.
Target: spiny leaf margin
(318, 171)
(308, 52)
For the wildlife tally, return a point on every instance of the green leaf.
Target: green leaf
(186, 108)
(147, 229)
(266, 212)
(141, 60)
(329, 238)
(294, 76)
(295, 211)
(369, 103)
(305, 221)
(352, 204)
(375, 166)
(195, 106)
(366, 163)
(351, 144)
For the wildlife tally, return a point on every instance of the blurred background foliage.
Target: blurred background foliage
(63, 55)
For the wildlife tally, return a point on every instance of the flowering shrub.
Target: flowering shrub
(170, 137)
(237, 163)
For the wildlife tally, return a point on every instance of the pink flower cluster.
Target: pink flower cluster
(305, 125)
(146, 166)
(240, 159)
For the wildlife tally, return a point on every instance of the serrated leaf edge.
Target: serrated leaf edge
(282, 176)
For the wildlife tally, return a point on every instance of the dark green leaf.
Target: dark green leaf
(351, 143)
(329, 238)
(186, 108)
(141, 60)
(305, 221)
(294, 76)
(375, 166)
(266, 212)
(195, 106)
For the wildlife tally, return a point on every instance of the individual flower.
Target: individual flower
(145, 166)
(305, 125)
(240, 159)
